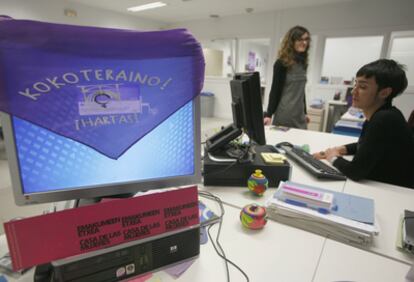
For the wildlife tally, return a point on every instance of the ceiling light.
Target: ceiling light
(147, 6)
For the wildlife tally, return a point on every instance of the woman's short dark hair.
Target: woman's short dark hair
(387, 73)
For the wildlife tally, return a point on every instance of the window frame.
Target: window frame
(345, 34)
(400, 34)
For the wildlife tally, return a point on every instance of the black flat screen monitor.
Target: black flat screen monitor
(247, 114)
(247, 105)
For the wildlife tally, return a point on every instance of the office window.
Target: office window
(344, 56)
(402, 50)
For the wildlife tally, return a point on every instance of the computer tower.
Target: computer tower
(129, 259)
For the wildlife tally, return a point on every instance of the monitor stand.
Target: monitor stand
(232, 153)
(236, 173)
(91, 201)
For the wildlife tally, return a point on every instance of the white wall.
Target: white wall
(222, 98)
(366, 17)
(261, 52)
(227, 47)
(214, 62)
(53, 11)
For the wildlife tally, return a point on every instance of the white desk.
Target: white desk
(283, 253)
(340, 262)
(241, 196)
(317, 141)
(390, 202)
(261, 254)
(380, 262)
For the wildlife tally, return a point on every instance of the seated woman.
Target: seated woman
(385, 149)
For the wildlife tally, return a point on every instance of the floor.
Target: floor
(9, 210)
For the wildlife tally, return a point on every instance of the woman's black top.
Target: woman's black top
(384, 151)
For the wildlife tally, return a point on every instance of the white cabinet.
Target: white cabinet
(316, 119)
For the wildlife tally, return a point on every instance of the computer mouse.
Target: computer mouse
(281, 144)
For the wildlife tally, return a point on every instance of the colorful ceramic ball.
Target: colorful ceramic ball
(257, 183)
(253, 216)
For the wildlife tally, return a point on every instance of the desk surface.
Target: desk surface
(291, 254)
(260, 254)
(390, 202)
(241, 196)
(340, 262)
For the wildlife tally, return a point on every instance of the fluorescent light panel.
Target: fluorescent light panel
(147, 6)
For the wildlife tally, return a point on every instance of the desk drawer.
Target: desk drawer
(315, 119)
(314, 126)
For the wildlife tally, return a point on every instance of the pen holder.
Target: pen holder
(257, 183)
(253, 216)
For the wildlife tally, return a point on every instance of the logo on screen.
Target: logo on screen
(105, 99)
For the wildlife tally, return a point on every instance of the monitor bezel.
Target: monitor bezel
(88, 192)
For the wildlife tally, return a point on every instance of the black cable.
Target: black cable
(221, 170)
(223, 256)
(76, 205)
(211, 196)
(239, 160)
(219, 249)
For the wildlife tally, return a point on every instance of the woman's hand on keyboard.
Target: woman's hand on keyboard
(319, 155)
(330, 153)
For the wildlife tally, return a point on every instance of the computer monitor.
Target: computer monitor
(47, 167)
(247, 105)
(247, 114)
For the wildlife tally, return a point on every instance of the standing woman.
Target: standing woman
(287, 96)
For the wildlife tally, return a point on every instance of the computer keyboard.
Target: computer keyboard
(309, 163)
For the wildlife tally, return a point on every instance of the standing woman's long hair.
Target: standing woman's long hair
(287, 52)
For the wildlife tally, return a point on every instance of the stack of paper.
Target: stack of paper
(351, 221)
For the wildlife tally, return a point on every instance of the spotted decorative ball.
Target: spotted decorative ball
(253, 216)
(258, 183)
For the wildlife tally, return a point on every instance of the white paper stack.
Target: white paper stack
(352, 220)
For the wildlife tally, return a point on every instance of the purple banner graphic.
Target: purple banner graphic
(105, 88)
